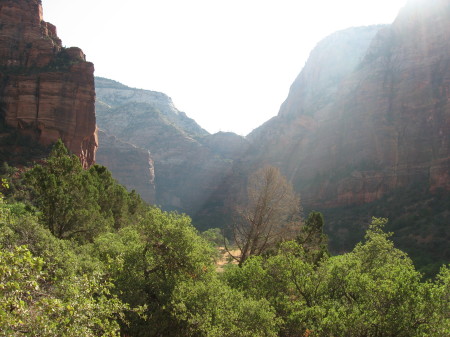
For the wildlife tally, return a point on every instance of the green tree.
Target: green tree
(66, 195)
(312, 238)
(372, 291)
(375, 291)
(116, 204)
(211, 308)
(45, 287)
(33, 305)
(214, 236)
(158, 253)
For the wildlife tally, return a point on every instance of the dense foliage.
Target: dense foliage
(81, 256)
(371, 291)
(419, 219)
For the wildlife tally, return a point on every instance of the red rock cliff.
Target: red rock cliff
(348, 136)
(46, 91)
(390, 125)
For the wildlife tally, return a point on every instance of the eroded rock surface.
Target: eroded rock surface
(47, 92)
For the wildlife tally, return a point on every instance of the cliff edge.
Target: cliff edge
(47, 91)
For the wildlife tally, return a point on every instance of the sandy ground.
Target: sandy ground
(225, 258)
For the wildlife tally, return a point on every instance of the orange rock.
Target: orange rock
(46, 91)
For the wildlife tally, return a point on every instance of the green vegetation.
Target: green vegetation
(372, 291)
(418, 218)
(81, 256)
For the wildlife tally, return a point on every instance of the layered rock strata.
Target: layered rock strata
(47, 92)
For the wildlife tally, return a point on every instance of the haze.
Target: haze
(227, 64)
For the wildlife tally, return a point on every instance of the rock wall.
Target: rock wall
(116, 94)
(369, 113)
(47, 92)
(130, 165)
(389, 126)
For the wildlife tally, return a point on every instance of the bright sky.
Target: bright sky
(226, 63)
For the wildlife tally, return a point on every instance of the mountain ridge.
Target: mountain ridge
(116, 94)
(188, 162)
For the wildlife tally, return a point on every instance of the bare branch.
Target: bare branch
(271, 214)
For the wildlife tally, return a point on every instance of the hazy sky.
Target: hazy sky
(226, 63)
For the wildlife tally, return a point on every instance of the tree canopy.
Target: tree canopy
(81, 256)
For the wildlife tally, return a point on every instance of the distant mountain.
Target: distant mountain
(285, 140)
(114, 94)
(350, 135)
(132, 166)
(188, 162)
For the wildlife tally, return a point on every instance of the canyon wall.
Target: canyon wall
(360, 124)
(47, 91)
(188, 163)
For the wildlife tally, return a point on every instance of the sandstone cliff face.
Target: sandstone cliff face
(390, 124)
(282, 140)
(349, 135)
(46, 91)
(188, 166)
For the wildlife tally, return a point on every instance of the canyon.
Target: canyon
(365, 127)
(364, 131)
(348, 135)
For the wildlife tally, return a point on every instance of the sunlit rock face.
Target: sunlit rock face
(369, 113)
(294, 139)
(113, 93)
(46, 91)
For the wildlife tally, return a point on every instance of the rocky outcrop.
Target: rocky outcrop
(115, 94)
(285, 140)
(46, 91)
(389, 126)
(130, 165)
